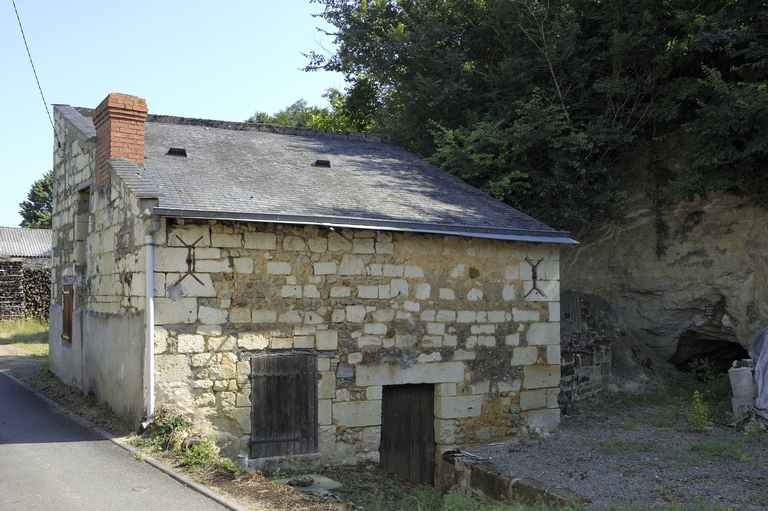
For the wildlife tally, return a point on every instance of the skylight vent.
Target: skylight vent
(176, 151)
(322, 163)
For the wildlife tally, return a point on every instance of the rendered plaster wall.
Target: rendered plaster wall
(97, 248)
(378, 309)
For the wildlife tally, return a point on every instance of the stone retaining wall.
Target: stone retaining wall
(585, 373)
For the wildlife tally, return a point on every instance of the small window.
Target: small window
(284, 404)
(68, 296)
(322, 163)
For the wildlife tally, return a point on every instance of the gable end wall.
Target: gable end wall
(98, 238)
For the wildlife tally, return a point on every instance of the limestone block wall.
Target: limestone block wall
(73, 166)
(378, 308)
(98, 248)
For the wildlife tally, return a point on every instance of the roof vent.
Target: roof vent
(176, 151)
(322, 163)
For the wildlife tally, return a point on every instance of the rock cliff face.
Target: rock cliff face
(706, 297)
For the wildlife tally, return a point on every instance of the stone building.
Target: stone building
(25, 262)
(314, 296)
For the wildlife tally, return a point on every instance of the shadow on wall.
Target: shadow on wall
(598, 353)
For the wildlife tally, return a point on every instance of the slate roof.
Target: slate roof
(241, 171)
(20, 242)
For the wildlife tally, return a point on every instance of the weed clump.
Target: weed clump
(166, 431)
(698, 418)
(174, 432)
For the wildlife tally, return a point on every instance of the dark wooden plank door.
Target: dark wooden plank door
(408, 432)
(284, 404)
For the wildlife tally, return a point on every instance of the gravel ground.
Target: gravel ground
(644, 457)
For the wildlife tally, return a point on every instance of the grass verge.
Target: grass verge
(28, 335)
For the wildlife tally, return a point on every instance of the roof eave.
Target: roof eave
(544, 236)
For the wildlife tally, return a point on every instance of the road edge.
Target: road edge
(120, 442)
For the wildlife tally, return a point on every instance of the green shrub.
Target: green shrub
(199, 454)
(698, 417)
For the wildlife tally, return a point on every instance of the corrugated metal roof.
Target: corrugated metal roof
(20, 242)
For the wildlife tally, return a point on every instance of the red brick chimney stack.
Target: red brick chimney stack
(119, 122)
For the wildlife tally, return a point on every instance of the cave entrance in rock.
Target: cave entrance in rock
(694, 347)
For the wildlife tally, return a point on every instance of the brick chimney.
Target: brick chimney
(119, 122)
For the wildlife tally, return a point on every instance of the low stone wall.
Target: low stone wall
(482, 478)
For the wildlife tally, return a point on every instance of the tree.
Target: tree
(352, 110)
(36, 210)
(355, 109)
(299, 114)
(543, 103)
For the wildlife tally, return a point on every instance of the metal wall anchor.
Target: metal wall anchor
(535, 277)
(190, 261)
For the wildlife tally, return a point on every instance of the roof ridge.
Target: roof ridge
(253, 126)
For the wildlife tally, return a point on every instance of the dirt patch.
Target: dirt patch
(251, 490)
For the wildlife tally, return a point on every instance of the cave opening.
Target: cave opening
(693, 348)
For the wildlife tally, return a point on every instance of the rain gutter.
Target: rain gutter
(534, 236)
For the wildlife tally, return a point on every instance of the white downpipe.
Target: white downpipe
(150, 315)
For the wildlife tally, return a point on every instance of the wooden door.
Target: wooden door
(68, 297)
(408, 432)
(284, 404)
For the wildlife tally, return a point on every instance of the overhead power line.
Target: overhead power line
(45, 104)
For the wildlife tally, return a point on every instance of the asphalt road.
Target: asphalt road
(50, 462)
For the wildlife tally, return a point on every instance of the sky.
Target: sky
(215, 60)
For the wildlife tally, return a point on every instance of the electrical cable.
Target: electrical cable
(45, 104)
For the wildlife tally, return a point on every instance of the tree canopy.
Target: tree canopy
(351, 110)
(36, 210)
(299, 115)
(543, 104)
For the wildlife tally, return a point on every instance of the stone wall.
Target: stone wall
(378, 309)
(585, 372)
(98, 249)
(716, 256)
